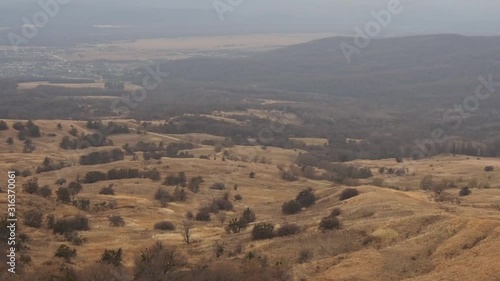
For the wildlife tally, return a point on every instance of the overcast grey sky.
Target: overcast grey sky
(306, 6)
(311, 8)
(419, 16)
(325, 6)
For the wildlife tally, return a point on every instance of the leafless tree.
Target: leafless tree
(186, 232)
(221, 216)
(158, 262)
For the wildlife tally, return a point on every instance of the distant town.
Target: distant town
(35, 64)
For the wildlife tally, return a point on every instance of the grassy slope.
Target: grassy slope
(387, 234)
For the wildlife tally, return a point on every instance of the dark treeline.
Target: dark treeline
(157, 151)
(124, 173)
(102, 157)
(85, 141)
(237, 134)
(111, 128)
(383, 117)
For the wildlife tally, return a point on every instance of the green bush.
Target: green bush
(348, 193)
(329, 223)
(306, 198)
(3, 126)
(336, 212)
(203, 215)
(163, 196)
(248, 216)
(464, 191)
(263, 231)
(108, 190)
(65, 252)
(63, 195)
(218, 186)
(116, 221)
(113, 257)
(165, 225)
(45, 191)
(291, 207)
(221, 204)
(69, 224)
(95, 176)
(176, 180)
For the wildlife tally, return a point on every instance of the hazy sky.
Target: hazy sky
(313, 8)
(325, 6)
(306, 6)
(428, 16)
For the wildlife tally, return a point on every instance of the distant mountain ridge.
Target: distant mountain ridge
(427, 64)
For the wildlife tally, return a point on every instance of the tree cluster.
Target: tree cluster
(102, 157)
(122, 173)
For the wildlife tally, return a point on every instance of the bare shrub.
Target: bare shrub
(427, 182)
(305, 255)
(186, 232)
(33, 218)
(287, 230)
(219, 249)
(158, 262)
(116, 221)
(75, 238)
(31, 186)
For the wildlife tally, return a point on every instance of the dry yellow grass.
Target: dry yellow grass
(312, 141)
(386, 234)
(178, 48)
(96, 85)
